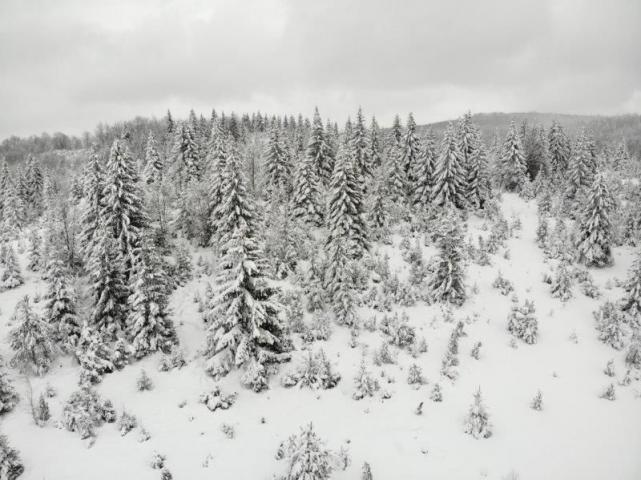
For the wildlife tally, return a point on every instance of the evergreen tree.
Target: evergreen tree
(148, 322)
(34, 251)
(11, 466)
(468, 143)
(34, 179)
(378, 211)
(11, 276)
(278, 165)
(375, 148)
(245, 328)
(60, 306)
(512, 167)
(447, 282)
(359, 148)
(123, 212)
(580, 174)
(218, 146)
(478, 180)
(423, 173)
(307, 456)
(107, 285)
(478, 424)
(319, 150)
(594, 240)
(93, 355)
(339, 284)
(93, 194)
(396, 132)
(13, 209)
(8, 395)
(31, 340)
(187, 155)
(632, 300)
(153, 163)
(559, 149)
(449, 179)
(410, 153)
(345, 213)
(306, 197)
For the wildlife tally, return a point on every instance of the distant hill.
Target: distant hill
(605, 129)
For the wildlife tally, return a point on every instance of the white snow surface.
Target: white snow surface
(577, 435)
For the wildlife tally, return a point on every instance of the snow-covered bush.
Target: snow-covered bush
(522, 322)
(85, 411)
(143, 382)
(401, 334)
(478, 424)
(476, 350)
(415, 375)
(609, 393)
(611, 325)
(307, 457)
(320, 328)
(11, 466)
(537, 401)
(561, 286)
(502, 284)
(435, 394)
(126, 423)
(94, 356)
(217, 399)
(633, 355)
(314, 372)
(384, 354)
(174, 359)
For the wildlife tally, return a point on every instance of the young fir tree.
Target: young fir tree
(423, 173)
(306, 197)
(8, 395)
(216, 158)
(478, 180)
(594, 239)
(11, 276)
(339, 284)
(447, 281)
(307, 456)
(31, 340)
(153, 163)
(478, 424)
(93, 195)
(13, 209)
(468, 143)
(148, 324)
(278, 165)
(60, 306)
(34, 253)
(359, 148)
(35, 185)
(11, 466)
(108, 288)
(410, 154)
(396, 132)
(396, 179)
(319, 150)
(378, 211)
(245, 329)
(123, 212)
(511, 167)
(93, 355)
(631, 301)
(449, 179)
(345, 212)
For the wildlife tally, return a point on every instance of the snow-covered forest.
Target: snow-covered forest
(293, 297)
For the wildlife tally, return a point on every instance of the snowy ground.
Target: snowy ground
(577, 435)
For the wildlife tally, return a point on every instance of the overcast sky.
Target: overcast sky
(66, 65)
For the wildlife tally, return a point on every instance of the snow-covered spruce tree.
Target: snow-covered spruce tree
(522, 322)
(93, 194)
(449, 179)
(31, 340)
(594, 239)
(11, 466)
(377, 214)
(468, 143)
(278, 165)
(359, 149)
(365, 383)
(478, 424)
(410, 153)
(423, 173)
(187, 161)
(375, 147)
(34, 184)
(319, 150)
(8, 395)
(307, 456)
(123, 212)
(478, 180)
(108, 288)
(60, 306)
(13, 210)
(345, 218)
(559, 150)
(216, 158)
(153, 163)
(234, 211)
(306, 198)
(33, 251)
(148, 324)
(446, 283)
(511, 164)
(395, 178)
(11, 276)
(245, 328)
(580, 173)
(611, 325)
(339, 284)
(631, 301)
